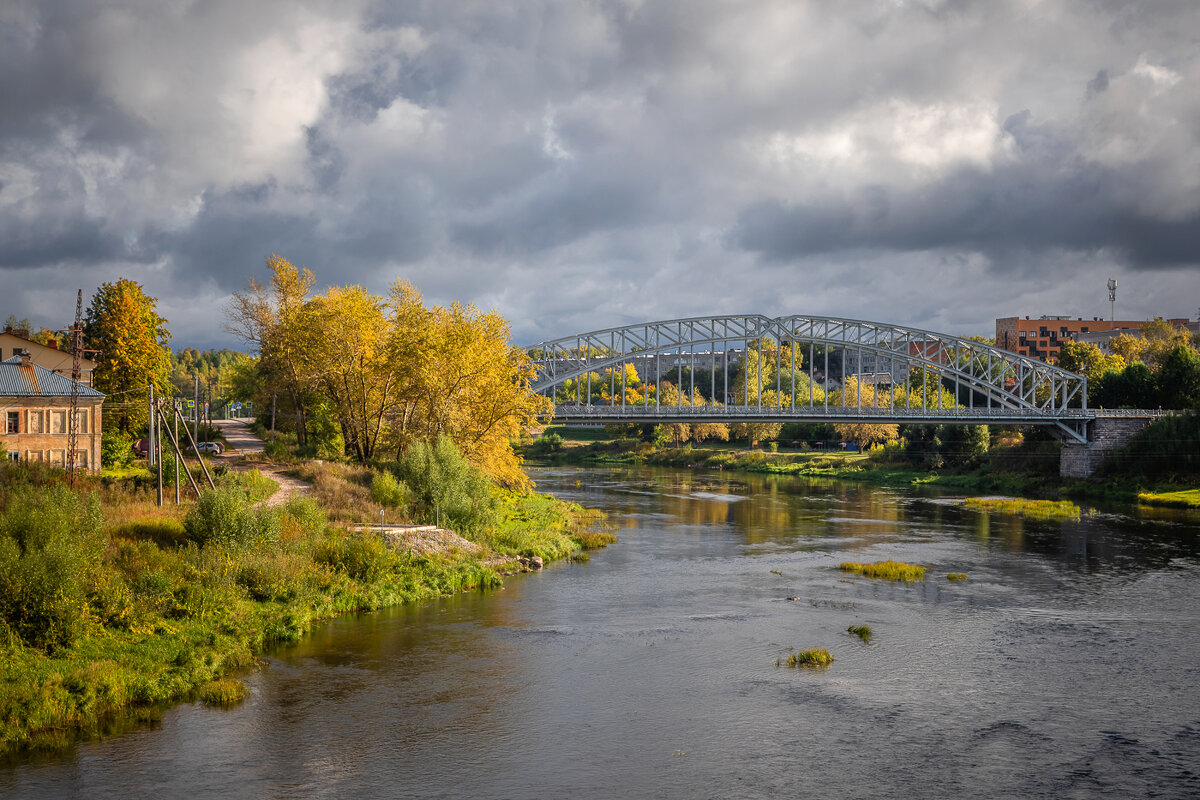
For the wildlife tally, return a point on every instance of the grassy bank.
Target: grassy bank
(113, 606)
(1029, 469)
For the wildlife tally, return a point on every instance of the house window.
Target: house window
(34, 422)
(81, 421)
(14, 422)
(58, 422)
(12, 455)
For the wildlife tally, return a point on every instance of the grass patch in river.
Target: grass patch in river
(1188, 498)
(956, 577)
(861, 631)
(815, 657)
(1033, 509)
(886, 570)
(223, 693)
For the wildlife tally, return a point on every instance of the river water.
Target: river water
(1065, 666)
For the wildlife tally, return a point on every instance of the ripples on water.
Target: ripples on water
(1064, 667)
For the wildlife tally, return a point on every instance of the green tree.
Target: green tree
(1090, 361)
(1179, 378)
(130, 338)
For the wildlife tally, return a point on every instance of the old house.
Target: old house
(14, 340)
(34, 404)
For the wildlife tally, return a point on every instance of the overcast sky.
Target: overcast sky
(578, 165)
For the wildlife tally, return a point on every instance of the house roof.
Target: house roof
(19, 380)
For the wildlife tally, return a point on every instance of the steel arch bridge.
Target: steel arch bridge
(1001, 387)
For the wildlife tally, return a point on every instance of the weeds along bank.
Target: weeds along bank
(111, 606)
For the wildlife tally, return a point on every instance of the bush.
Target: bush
(387, 491)
(225, 517)
(116, 450)
(447, 488)
(50, 543)
(547, 443)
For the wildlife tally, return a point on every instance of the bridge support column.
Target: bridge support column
(1105, 434)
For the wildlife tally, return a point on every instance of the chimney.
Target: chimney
(52, 344)
(26, 358)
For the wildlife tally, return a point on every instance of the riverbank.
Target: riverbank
(114, 607)
(1026, 470)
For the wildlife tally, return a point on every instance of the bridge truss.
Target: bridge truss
(1000, 387)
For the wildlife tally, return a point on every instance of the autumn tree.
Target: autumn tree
(349, 357)
(459, 374)
(130, 340)
(269, 319)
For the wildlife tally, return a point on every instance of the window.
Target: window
(81, 421)
(12, 456)
(58, 421)
(14, 422)
(34, 422)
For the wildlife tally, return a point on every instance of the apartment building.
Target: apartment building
(1042, 338)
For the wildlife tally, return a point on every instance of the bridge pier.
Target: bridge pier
(1105, 434)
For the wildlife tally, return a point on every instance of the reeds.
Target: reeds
(885, 570)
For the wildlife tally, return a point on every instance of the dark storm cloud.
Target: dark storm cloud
(1048, 198)
(576, 163)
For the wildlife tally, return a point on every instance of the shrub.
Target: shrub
(387, 491)
(116, 450)
(50, 543)
(447, 488)
(547, 443)
(224, 516)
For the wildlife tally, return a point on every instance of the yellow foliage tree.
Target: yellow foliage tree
(130, 340)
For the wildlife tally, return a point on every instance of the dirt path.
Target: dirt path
(243, 446)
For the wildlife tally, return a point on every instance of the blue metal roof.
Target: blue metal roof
(34, 381)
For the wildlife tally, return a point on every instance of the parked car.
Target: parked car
(211, 448)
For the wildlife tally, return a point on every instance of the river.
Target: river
(1064, 666)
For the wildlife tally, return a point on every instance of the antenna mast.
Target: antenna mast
(76, 370)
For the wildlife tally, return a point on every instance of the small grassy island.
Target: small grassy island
(814, 657)
(885, 570)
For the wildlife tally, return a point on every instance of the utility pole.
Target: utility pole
(150, 429)
(158, 442)
(1112, 302)
(73, 413)
(196, 401)
(175, 439)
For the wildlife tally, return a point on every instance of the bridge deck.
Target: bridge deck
(569, 412)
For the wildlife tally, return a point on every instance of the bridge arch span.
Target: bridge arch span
(1000, 384)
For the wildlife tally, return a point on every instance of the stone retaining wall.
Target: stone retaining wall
(1105, 435)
